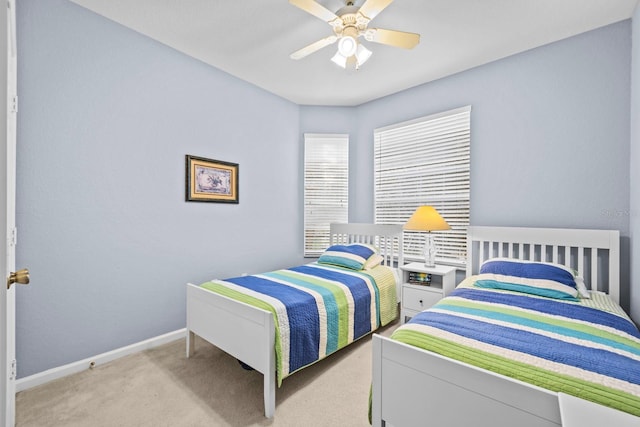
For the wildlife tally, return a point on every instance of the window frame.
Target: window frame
(326, 188)
(414, 153)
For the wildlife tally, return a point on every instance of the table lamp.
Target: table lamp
(426, 218)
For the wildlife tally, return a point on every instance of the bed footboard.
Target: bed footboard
(413, 387)
(241, 330)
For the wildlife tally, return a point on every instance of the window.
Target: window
(326, 188)
(426, 162)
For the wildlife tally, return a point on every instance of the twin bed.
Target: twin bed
(500, 355)
(412, 383)
(329, 305)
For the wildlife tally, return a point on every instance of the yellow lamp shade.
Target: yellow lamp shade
(426, 218)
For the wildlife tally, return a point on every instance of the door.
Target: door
(8, 111)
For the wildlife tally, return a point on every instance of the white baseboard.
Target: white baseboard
(88, 363)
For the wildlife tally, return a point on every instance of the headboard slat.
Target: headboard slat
(581, 261)
(594, 269)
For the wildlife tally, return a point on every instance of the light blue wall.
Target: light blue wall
(107, 115)
(549, 129)
(106, 118)
(549, 136)
(635, 166)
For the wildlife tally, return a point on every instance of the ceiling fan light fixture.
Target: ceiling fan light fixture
(339, 60)
(347, 46)
(362, 54)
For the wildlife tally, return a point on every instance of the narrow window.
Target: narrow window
(326, 188)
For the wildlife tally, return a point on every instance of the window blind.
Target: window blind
(426, 161)
(326, 188)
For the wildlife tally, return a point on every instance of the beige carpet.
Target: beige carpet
(161, 387)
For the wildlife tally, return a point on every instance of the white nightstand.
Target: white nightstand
(418, 297)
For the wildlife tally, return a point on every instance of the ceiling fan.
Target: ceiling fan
(349, 23)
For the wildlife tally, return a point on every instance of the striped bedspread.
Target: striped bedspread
(318, 309)
(589, 349)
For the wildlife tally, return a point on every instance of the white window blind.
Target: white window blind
(426, 161)
(326, 188)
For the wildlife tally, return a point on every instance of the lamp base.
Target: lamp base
(429, 250)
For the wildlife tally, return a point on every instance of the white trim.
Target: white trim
(327, 135)
(81, 365)
(434, 116)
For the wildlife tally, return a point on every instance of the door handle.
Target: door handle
(20, 276)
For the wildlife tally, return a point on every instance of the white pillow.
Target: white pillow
(583, 292)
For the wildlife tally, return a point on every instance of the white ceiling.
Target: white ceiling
(252, 39)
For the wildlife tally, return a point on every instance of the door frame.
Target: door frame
(8, 110)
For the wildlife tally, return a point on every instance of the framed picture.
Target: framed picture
(211, 180)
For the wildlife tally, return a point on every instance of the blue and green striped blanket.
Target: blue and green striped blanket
(317, 308)
(587, 348)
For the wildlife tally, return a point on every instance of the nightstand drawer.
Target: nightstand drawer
(420, 299)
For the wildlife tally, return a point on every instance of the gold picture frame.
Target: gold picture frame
(209, 180)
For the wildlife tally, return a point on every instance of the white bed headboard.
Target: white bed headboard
(595, 254)
(388, 238)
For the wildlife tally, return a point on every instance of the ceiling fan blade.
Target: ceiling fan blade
(315, 9)
(393, 37)
(371, 8)
(313, 47)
